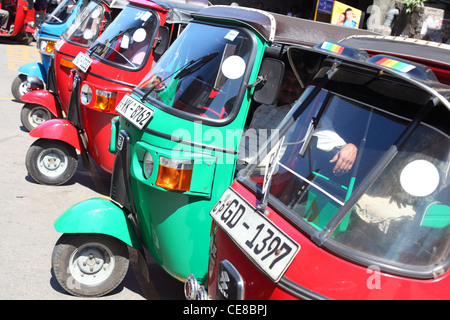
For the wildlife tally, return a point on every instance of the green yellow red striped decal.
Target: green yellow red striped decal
(395, 64)
(332, 47)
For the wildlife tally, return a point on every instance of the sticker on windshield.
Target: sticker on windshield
(88, 34)
(95, 14)
(419, 178)
(146, 15)
(139, 35)
(125, 43)
(231, 35)
(233, 67)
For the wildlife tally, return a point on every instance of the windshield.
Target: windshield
(403, 218)
(128, 39)
(86, 27)
(62, 12)
(202, 72)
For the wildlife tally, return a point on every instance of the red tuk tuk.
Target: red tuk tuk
(375, 225)
(126, 49)
(20, 22)
(44, 104)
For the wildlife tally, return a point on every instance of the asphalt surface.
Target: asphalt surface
(28, 210)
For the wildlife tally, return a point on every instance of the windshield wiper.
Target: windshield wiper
(194, 65)
(185, 70)
(268, 173)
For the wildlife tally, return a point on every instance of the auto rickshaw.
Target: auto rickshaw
(376, 227)
(44, 104)
(175, 143)
(126, 49)
(20, 23)
(432, 54)
(46, 36)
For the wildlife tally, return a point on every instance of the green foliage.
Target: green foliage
(413, 4)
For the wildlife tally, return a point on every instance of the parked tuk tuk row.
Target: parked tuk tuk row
(338, 194)
(20, 22)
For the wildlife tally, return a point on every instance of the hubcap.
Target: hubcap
(52, 162)
(23, 88)
(91, 264)
(38, 116)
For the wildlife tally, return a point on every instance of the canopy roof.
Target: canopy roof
(281, 28)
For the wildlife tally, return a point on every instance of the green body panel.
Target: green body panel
(175, 226)
(98, 215)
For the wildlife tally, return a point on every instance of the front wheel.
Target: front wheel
(25, 38)
(19, 87)
(51, 162)
(33, 115)
(89, 265)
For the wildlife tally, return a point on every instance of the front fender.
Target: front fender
(59, 129)
(34, 69)
(44, 98)
(98, 215)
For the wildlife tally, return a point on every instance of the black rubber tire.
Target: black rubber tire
(41, 113)
(73, 249)
(50, 173)
(18, 81)
(25, 38)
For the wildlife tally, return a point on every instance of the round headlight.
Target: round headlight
(43, 45)
(85, 94)
(148, 165)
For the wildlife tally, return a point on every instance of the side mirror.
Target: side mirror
(162, 42)
(269, 81)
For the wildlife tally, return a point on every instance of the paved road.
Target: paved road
(28, 210)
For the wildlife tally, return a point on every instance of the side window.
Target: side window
(311, 180)
(405, 215)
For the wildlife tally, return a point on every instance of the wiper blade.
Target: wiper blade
(185, 70)
(194, 65)
(268, 173)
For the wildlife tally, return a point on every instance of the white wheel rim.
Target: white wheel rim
(38, 116)
(23, 88)
(52, 162)
(91, 263)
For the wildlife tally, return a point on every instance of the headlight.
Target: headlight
(174, 174)
(42, 45)
(85, 94)
(105, 100)
(148, 165)
(46, 46)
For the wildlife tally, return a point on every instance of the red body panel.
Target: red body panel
(319, 271)
(43, 98)
(67, 51)
(59, 129)
(97, 123)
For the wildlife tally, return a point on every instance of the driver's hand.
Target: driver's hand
(344, 158)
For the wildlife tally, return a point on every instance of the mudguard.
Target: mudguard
(34, 69)
(43, 98)
(59, 129)
(29, 29)
(98, 215)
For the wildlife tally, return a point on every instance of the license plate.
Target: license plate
(82, 61)
(263, 242)
(134, 111)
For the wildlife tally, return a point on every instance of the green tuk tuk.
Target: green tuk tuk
(176, 144)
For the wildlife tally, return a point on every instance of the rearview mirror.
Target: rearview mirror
(162, 42)
(270, 76)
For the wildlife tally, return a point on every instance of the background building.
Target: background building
(431, 22)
